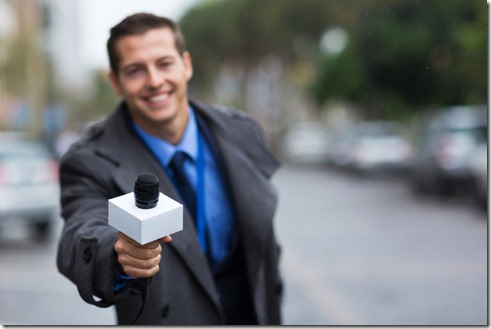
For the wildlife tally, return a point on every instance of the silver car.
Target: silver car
(307, 143)
(445, 142)
(372, 146)
(29, 190)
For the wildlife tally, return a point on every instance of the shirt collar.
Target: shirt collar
(163, 150)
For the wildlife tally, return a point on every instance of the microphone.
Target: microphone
(140, 216)
(146, 191)
(145, 214)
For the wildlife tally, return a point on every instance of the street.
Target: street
(355, 251)
(362, 251)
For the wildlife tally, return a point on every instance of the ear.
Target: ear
(188, 65)
(113, 80)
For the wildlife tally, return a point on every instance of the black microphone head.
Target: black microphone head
(147, 190)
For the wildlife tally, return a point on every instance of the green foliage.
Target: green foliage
(402, 54)
(344, 74)
(245, 31)
(415, 54)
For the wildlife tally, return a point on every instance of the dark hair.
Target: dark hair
(137, 24)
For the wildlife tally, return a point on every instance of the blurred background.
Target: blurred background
(377, 109)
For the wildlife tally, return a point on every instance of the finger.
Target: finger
(149, 245)
(127, 239)
(143, 264)
(140, 273)
(143, 253)
(167, 239)
(122, 247)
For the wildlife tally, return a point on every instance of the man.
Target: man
(226, 274)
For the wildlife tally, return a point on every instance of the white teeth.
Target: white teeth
(159, 98)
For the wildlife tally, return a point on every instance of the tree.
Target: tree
(402, 55)
(412, 54)
(246, 31)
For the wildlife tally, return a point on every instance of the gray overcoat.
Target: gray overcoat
(104, 163)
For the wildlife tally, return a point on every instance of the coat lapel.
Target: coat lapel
(248, 175)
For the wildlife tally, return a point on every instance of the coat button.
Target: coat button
(87, 254)
(165, 310)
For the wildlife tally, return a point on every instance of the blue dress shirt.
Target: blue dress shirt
(220, 220)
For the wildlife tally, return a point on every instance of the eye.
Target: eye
(133, 71)
(166, 64)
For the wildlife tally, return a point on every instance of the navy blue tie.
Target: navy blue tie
(184, 187)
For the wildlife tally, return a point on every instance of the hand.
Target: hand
(136, 260)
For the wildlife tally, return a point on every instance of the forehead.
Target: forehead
(155, 42)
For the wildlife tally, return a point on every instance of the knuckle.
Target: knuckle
(128, 270)
(150, 253)
(146, 254)
(156, 261)
(118, 246)
(154, 270)
(122, 259)
(149, 272)
(149, 264)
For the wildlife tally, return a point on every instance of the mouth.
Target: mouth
(158, 100)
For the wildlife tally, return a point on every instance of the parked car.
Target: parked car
(445, 142)
(371, 146)
(29, 192)
(478, 167)
(306, 142)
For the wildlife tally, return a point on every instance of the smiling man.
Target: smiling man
(223, 268)
(152, 75)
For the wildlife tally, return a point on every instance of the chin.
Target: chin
(159, 112)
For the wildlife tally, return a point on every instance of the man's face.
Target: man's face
(152, 77)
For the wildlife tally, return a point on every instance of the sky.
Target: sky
(98, 16)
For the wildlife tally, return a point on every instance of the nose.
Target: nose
(155, 78)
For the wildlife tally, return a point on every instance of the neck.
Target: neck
(172, 132)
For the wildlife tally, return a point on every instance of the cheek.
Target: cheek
(131, 88)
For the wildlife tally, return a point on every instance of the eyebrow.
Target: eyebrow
(131, 66)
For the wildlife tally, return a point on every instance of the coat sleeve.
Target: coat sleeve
(85, 251)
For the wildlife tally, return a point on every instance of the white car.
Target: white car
(445, 143)
(370, 146)
(29, 190)
(307, 142)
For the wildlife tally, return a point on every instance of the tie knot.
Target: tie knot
(178, 160)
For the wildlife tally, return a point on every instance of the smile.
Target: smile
(158, 98)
